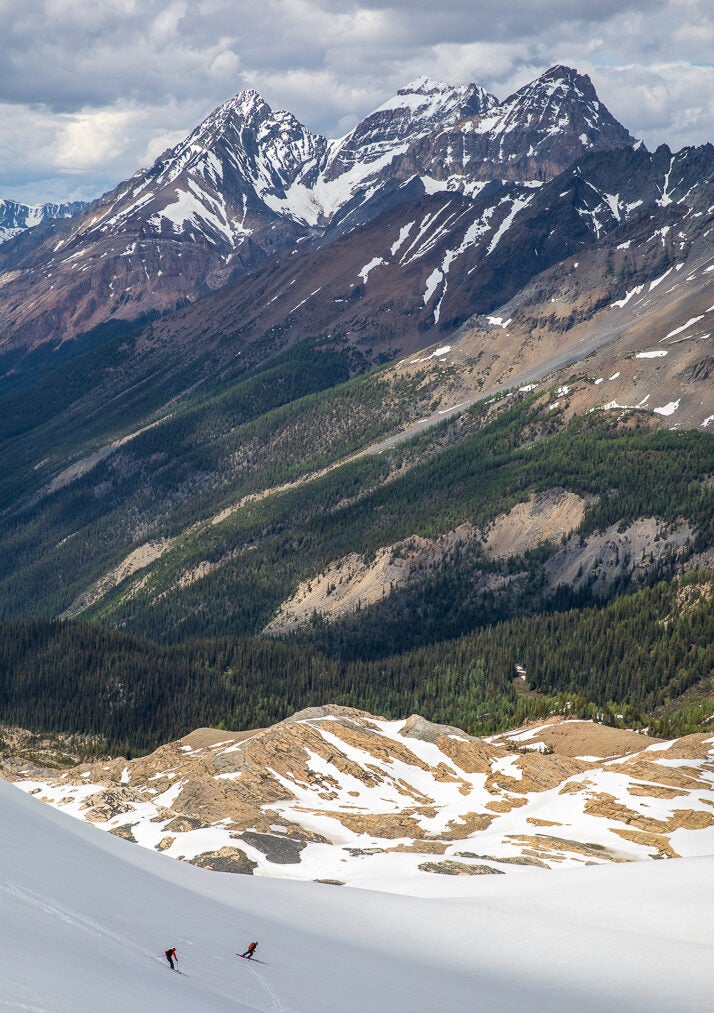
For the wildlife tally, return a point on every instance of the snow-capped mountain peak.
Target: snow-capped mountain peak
(418, 109)
(426, 93)
(246, 101)
(559, 104)
(268, 148)
(423, 85)
(245, 157)
(532, 135)
(248, 107)
(16, 217)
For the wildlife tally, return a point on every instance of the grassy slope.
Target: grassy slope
(267, 428)
(265, 549)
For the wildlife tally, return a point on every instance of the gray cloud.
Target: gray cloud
(89, 92)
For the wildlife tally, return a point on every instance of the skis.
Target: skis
(255, 960)
(164, 963)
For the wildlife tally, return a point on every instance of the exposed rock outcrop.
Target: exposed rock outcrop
(342, 790)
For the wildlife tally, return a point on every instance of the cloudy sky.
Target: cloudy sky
(91, 90)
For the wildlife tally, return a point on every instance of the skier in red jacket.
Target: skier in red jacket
(249, 952)
(171, 956)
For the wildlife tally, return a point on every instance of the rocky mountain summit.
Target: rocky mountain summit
(338, 795)
(520, 279)
(533, 134)
(147, 465)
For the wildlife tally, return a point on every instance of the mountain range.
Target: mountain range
(454, 365)
(249, 183)
(15, 218)
(300, 436)
(438, 210)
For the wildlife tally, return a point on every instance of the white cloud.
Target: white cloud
(164, 28)
(225, 66)
(89, 138)
(671, 103)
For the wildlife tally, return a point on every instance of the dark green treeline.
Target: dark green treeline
(634, 657)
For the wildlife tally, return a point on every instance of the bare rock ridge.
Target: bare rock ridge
(534, 134)
(338, 794)
(353, 583)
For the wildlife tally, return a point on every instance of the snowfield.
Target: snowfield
(86, 918)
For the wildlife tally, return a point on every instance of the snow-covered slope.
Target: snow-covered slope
(337, 794)
(85, 919)
(246, 164)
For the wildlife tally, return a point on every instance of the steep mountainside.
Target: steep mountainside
(536, 439)
(534, 134)
(280, 476)
(341, 796)
(604, 228)
(248, 183)
(420, 270)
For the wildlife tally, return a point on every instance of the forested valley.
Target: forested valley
(644, 660)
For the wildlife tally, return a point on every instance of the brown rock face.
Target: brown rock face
(655, 791)
(226, 860)
(504, 805)
(606, 806)
(539, 773)
(105, 805)
(660, 844)
(421, 848)
(471, 755)
(557, 848)
(125, 832)
(645, 769)
(459, 869)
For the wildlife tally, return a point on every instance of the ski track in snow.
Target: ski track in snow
(25, 1006)
(94, 928)
(272, 995)
(91, 927)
